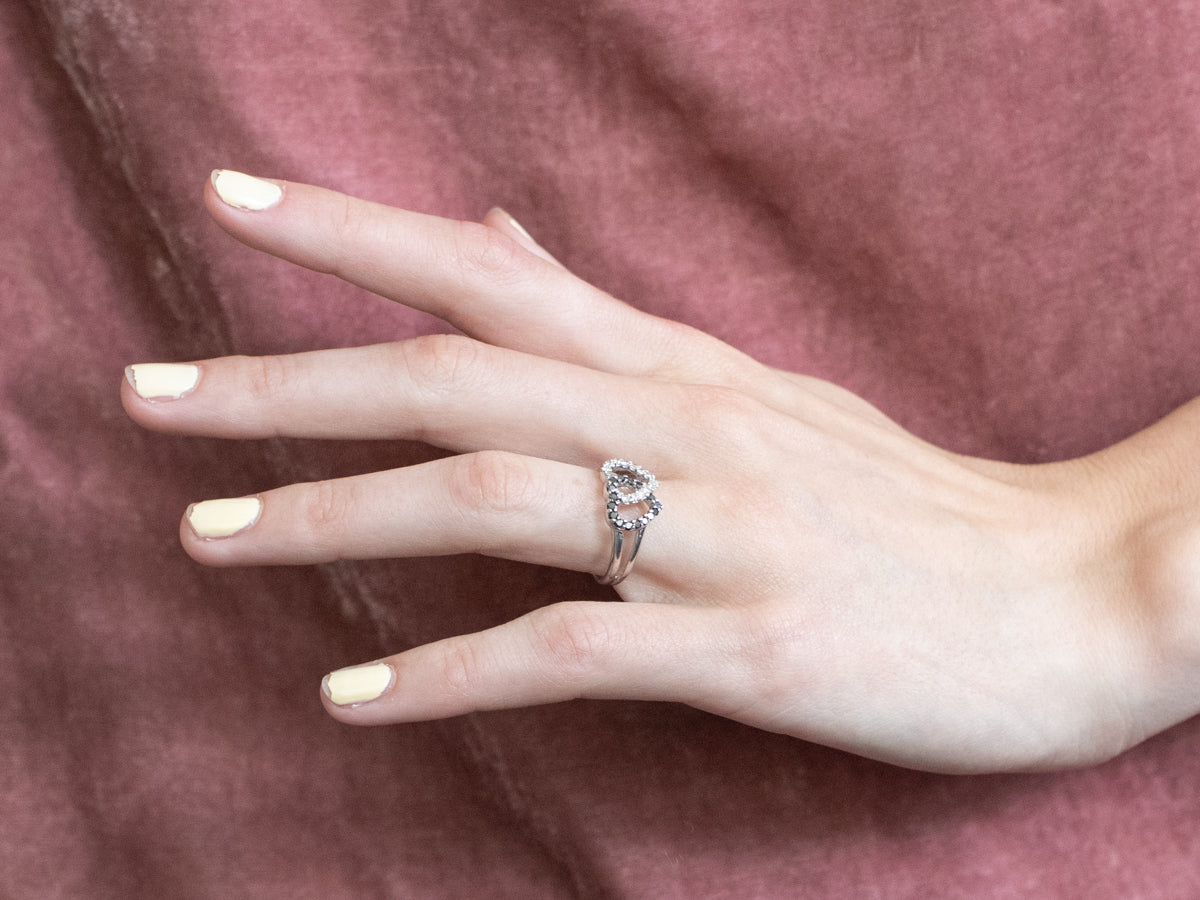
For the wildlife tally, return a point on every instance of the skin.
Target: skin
(874, 593)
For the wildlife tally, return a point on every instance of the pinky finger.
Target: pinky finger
(561, 652)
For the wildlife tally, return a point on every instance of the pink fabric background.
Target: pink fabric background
(982, 216)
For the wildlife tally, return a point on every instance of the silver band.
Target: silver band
(625, 485)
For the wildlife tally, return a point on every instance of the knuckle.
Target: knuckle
(684, 354)
(573, 640)
(354, 232)
(347, 220)
(323, 507)
(719, 422)
(346, 227)
(768, 660)
(722, 409)
(438, 362)
(462, 668)
(485, 254)
(267, 377)
(493, 481)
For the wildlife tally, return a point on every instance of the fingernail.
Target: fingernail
(162, 381)
(357, 684)
(525, 237)
(514, 223)
(245, 191)
(222, 518)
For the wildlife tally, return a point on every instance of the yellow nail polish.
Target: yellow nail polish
(245, 191)
(162, 381)
(223, 518)
(357, 684)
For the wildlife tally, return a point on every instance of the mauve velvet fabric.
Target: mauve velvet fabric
(982, 216)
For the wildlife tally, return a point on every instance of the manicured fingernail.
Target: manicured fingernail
(514, 223)
(525, 237)
(222, 518)
(162, 381)
(245, 191)
(357, 684)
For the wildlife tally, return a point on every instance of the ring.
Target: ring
(627, 484)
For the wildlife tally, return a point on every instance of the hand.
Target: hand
(816, 570)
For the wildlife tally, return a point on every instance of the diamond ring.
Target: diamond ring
(627, 485)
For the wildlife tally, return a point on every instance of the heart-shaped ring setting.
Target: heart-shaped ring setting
(627, 484)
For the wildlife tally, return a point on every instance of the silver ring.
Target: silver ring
(627, 484)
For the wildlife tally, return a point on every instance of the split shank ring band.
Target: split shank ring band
(627, 485)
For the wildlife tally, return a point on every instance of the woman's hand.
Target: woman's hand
(816, 570)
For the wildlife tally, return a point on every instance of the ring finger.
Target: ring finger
(496, 503)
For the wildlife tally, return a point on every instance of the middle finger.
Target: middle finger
(445, 390)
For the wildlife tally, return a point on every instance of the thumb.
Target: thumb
(559, 652)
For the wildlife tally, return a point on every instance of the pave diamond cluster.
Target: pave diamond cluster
(627, 484)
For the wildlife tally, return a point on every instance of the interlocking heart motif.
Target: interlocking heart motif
(627, 484)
